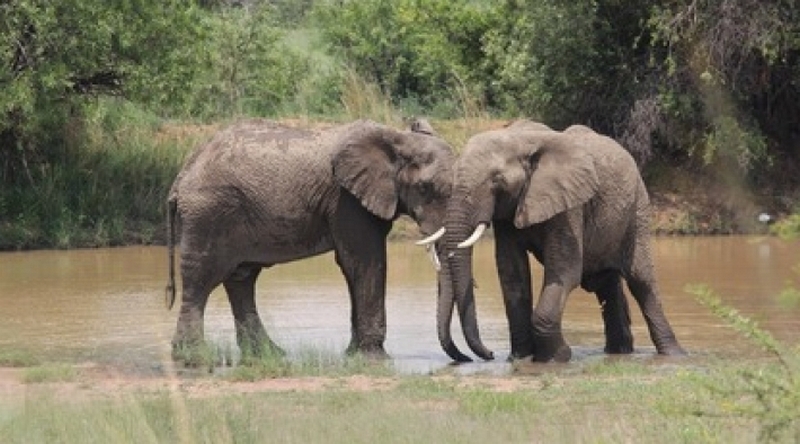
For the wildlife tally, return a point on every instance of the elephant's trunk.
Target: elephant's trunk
(444, 316)
(458, 265)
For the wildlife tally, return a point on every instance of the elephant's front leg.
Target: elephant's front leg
(251, 336)
(562, 261)
(513, 269)
(366, 282)
(360, 249)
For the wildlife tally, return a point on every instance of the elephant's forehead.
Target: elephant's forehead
(486, 152)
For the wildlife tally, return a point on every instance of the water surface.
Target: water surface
(107, 305)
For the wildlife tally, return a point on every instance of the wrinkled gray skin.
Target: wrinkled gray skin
(259, 194)
(576, 201)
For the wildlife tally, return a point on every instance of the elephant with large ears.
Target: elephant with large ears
(260, 194)
(576, 201)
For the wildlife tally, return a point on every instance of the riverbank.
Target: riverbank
(111, 186)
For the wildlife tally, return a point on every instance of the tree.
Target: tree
(54, 56)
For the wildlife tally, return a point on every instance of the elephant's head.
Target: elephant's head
(394, 172)
(523, 174)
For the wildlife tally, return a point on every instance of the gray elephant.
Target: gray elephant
(260, 194)
(576, 201)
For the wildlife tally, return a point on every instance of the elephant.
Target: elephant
(259, 193)
(574, 199)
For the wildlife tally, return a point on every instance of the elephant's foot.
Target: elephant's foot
(368, 350)
(619, 341)
(673, 349)
(624, 347)
(618, 349)
(551, 347)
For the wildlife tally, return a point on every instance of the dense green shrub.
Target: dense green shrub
(417, 51)
(714, 86)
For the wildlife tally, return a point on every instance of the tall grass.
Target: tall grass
(107, 188)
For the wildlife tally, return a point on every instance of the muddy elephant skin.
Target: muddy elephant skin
(576, 201)
(260, 193)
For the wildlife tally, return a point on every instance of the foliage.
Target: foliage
(415, 50)
(250, 70)
(566, 62)
(709, 85)
(769, 394)
(787, 228)
(731, 75)
(57, 56)
(109, 191)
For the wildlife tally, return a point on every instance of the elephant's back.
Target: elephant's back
(259, 152)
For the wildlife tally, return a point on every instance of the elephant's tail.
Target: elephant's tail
(172, 211)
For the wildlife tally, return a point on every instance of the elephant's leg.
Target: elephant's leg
(562, 258)
(513, 268)
(642, 284)
(616, 314)
(198, 278)
(360, 250)
(547, 334)
(250, 333)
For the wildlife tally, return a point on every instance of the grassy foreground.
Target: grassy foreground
(317, 398)
(346, 401)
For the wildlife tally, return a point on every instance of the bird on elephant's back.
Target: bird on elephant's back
(260, 193)
(574, 200)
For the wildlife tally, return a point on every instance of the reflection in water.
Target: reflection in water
(108, 305)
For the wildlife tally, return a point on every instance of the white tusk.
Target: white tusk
(432, 238)
(434, 258)
(474, 238)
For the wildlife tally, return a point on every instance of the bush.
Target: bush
(769, 394)
(415, 50)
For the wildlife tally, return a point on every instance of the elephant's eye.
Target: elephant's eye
(425, 188)
(498, 179)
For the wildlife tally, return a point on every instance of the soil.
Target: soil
(94, 382)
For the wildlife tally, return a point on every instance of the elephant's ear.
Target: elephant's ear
(364, 164)
(561, 178)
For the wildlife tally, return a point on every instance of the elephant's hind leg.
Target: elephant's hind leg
(198, 280)
(616, 313)
(250, 332)
(642, 284)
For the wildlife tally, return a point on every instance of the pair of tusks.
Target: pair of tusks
(470, 241)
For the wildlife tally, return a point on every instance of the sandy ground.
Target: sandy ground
(93, 382)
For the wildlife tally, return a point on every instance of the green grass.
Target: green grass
(50, 373)
(17, 358)
(600, 405)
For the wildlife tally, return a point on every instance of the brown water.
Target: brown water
(107, 305)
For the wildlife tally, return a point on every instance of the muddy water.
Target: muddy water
(107, 305)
